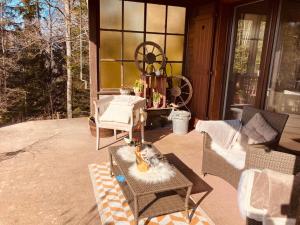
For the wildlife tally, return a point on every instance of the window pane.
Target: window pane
(111, 14)
(110, 73)
(284, 88)
(245, 69)
(156, 18)
(110, 45)
(133, 16)
(174, 69)
(176, 19)
(175, 47)
(131, 41)
(247, 58)
(131, 73)
(157, 38)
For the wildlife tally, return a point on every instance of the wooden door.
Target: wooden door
(199, 55)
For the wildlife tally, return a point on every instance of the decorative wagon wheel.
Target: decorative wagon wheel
(150, 58)
(179, 91)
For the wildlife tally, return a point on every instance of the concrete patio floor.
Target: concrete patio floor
(44, 176)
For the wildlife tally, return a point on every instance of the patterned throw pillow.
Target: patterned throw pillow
(258, 130)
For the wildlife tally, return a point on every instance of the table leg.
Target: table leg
(186, 204)
(136, 211)
(111, 164)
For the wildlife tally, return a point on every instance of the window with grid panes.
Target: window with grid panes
(126, 24)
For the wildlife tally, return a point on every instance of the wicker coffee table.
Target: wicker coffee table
(150, 200)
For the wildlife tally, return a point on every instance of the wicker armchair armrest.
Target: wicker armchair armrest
(206, 140)
(263, 157)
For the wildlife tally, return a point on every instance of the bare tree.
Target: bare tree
(43, 58)
(81, 44)
(68, 23)
(3, 72)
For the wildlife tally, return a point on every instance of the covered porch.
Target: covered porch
(234, 53)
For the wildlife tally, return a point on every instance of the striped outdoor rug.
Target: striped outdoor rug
(114, 209)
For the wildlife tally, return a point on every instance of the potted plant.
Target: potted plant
(156, 97)
(138, 87)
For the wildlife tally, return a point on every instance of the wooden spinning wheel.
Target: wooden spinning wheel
(150, 59)
(179, 91)
(175, 91)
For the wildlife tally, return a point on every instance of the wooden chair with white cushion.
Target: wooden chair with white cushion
(119, 112)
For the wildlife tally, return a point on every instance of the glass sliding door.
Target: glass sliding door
(248, 46)
(284, 85)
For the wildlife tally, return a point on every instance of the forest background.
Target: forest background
(44, 60)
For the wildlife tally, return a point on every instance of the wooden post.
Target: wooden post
(94, 17)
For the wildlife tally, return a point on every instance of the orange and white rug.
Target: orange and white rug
(114, 209)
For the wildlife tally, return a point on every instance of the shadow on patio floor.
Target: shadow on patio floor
(199, 185)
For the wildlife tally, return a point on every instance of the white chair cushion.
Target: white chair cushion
(104, 102)
(244, 196)
(234, 156)
(117, 113)
(119, 109)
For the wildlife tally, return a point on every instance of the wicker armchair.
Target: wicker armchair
(261, 157)
(215, 165)
(257, 156)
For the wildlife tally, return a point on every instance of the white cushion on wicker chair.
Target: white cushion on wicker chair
(244, 195)
(234, 156)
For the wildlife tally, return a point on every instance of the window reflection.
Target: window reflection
(156, 18)
(157, 38)
(174, 69)
(110, 72)
(175, 47)
(284, 86)
(110, 45)
(176, 25)
(247, 59)
(111, 14)
(131, 41)
(130, 74)
(134, 16)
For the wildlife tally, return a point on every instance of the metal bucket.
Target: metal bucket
(180, 120)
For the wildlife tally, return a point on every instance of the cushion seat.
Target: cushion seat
(234, 156)
(121, 120)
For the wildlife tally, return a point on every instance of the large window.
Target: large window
(284, 86)
(126, 24)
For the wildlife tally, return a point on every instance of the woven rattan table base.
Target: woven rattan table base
(149, 200)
